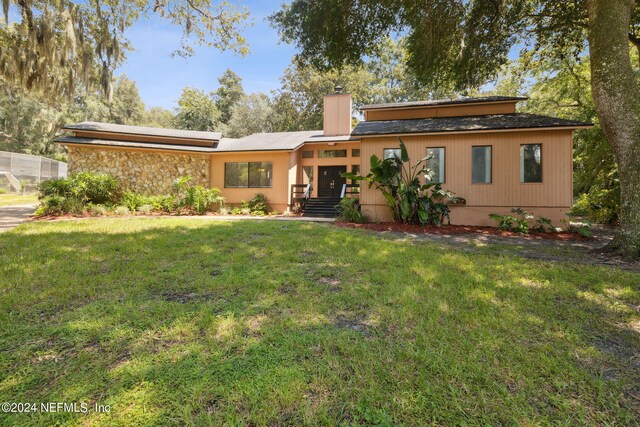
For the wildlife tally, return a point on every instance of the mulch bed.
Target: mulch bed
(459, 229)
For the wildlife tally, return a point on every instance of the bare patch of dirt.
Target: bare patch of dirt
(356, 324)
(332, 282)
(288, 289)
(186, 297)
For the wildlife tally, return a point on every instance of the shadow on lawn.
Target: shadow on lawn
(180, 322)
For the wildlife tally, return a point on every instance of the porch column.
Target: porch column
(293, 176)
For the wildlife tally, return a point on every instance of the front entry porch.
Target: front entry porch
(332, 187)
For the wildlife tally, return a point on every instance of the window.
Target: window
(307, 175)
(355, 169)
(355, 152)
(531, 163)
(481, 165)
(251, 175)
(390, 153)
(327, 154)
(307, 154)
(436, 164)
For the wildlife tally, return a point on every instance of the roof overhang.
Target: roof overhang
(445, 103)
(143, 131)
(72, 140)
(467, 132)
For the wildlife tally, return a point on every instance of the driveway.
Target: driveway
(12, 216)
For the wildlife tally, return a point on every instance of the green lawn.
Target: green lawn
(191, 322)
(17, 199)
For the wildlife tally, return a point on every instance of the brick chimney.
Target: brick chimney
(337, 113)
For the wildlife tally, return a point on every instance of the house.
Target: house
(481, 148)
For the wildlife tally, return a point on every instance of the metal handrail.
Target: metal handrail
(344, 193)
(306, 194)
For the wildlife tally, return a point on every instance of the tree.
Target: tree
(300, 99)
(158, 117)
(252, 114)
(228, 94)
(61, 44)
(196, 111)
(384, 77)
(466, 43)
(127, 107)
(28, 125)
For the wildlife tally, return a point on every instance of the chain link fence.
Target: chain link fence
(28, 170)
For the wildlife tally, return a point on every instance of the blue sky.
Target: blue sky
(160, 78)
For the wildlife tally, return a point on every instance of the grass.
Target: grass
(191, 322)
(17, 199)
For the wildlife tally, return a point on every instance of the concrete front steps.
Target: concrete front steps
(321, 207)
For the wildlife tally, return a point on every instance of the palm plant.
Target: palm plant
(410, 201)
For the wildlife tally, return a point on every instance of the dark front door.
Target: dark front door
(330, 180)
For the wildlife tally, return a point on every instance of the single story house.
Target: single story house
(483, 150)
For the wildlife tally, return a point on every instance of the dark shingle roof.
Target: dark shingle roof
(278, 141)
(267, 141)
(463, 124)
(144, 130)
(433, 103)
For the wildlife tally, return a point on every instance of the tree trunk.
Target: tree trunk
(617, 99)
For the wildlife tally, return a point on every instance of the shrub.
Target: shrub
(349, 210)
(87, 187)
(519, 222)
(97, 210)
(75, 193)
(598, 205)
(245, 211)
(97, 188)
(543, 225)
(132, 200)
(145, 209)
(258, 205)
(505, 222)
(195, 198)
(51, 205)
(409, 200)
(122, 210)
(161, 203)
(224, 211)
(581, 228)
(3, 191)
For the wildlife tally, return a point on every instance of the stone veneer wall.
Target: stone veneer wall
(141, 171)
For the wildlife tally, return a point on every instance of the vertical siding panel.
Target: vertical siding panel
(505, 189)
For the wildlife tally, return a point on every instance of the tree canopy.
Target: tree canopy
(451, 41)
(58, 45)
(196, 111)
(228, 94)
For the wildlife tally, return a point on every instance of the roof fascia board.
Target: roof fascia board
(476, 131)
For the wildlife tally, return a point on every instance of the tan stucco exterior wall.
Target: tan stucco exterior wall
(552, 198)
(143, 171)
(277, 194)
